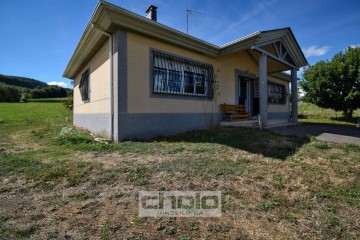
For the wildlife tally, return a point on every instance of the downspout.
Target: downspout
(111, 110)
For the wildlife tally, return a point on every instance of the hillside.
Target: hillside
(15, 88)
(22, 82)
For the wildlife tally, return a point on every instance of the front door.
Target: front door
(244, 92)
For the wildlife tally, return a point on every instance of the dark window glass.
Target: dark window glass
(84, 86)
(276, 93)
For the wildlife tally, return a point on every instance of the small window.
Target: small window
(174, 75)
(84, 86)
(276, 93)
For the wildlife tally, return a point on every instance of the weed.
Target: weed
(321, 145)
(264, 207)
(214, 228)
(138, 220)
(194, 226)
(352, 147)
(170, 230)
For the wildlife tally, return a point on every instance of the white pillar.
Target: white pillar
(263, 89)
(294, 96)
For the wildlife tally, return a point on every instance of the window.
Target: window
(84, 86)
(174, 75)
(276, 93)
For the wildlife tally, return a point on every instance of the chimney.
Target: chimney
(151, 13)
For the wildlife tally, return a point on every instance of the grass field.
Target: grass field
(57, 183)
(309, 113)
(48, 100)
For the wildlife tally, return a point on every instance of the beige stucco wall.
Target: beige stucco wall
(139, 100)
(139, 89)
(99, 84)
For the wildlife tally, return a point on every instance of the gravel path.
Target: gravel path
(328, 133)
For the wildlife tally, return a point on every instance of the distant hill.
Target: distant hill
(14, 88)
(22, 82)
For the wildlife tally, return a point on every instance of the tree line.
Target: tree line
(16, 89)
(22, 82)
(10, 93)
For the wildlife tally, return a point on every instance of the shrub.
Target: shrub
(9, 94)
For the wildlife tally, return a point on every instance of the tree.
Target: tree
(335, 84)
(9, 93)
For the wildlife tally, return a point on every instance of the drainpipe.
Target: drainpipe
(111, 110)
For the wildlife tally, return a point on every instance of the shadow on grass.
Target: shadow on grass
(317, 129)
(354, 120)
(255, 141)
(330, 120)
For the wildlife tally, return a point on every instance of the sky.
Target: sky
(38, 37)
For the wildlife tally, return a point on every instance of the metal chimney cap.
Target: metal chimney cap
(150, 8)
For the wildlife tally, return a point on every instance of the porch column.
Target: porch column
(263, 89)
(294, 96)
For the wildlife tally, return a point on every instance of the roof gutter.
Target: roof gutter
(111, 93)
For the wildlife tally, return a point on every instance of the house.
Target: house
(137, 78)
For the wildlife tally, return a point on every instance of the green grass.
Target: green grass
(310, 113)
(57, 182)
(48, 100)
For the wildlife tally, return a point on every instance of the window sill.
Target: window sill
(180, 96)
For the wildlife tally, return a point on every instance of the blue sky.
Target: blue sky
(38, 37)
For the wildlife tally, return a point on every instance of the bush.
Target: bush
(49, 92)
(69, 103)
(9, 94)
(25, 97)
(69, 136)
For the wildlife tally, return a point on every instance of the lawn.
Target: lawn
(57, 183)
(310, 113)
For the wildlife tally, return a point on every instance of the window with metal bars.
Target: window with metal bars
(175, 75)
(276, 93)
(84, 86)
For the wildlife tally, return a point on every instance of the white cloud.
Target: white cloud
(60, 84)
(250, 15)
(316, 51)
(300, 72)
(354, 45)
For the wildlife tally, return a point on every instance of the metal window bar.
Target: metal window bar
(84, 85)
(276, 93)
(175, 75)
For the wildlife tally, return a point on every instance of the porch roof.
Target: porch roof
(110, 18)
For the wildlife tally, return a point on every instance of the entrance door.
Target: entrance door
(244, 92)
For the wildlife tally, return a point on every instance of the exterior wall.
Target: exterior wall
(95, 114)
(140, 98)
(144, 114)
(149, 114)
(229, 65)
(279, 111)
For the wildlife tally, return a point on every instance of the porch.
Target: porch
(264, 91)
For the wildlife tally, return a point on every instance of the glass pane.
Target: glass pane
(174, 82)
(159, 79)
(200, 83)
(188, 82)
